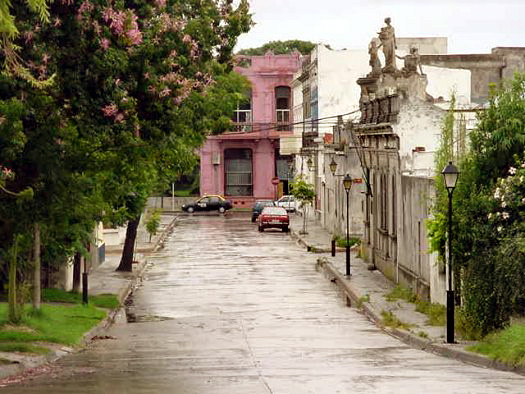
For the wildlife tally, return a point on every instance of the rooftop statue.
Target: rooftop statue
(387, 36)
(374, 62)
(412, 63)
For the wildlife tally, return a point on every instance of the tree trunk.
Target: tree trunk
(305, 212)
(126, 261)
(36, 278)
(14, 316)
(76, 272)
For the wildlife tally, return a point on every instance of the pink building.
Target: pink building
(244, 164)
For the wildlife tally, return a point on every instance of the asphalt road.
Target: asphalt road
(226, 309)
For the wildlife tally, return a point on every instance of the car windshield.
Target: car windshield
(260, 204)
(274, 211)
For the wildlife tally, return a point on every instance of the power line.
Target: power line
(276, 125)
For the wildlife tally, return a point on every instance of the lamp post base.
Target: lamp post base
(450, 316)
(347, 259)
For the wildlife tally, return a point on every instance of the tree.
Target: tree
(488, 250)
(305, 193)
(281, 48)
(134, 86)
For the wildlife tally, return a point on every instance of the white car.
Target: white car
(288, 202)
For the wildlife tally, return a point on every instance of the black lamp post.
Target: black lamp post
(450, 175)
(347, 183)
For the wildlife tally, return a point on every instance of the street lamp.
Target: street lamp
(347, 184)
(450, 175)
(310, 164)
(333, 166)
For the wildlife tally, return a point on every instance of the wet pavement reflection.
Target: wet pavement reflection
(226, 309)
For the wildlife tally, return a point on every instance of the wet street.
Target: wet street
(226, 309)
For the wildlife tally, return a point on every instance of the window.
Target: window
(384, 202)
(306, 103)
(242, 116)
(238, 172)
(394, 206)
(282, 105)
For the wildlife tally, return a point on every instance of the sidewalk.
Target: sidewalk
(102, 280)
(367, 289)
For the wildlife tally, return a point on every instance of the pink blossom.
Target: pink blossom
(45, 58)
(186, 39)
(85, 6)
(110, 110)
(119, 118)
(160, 3)
(28, 36)
(57, 22)
(6, 173)
(135, 36)
(165, 92)
(104, 43)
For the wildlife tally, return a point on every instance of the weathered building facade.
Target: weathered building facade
(245, 164)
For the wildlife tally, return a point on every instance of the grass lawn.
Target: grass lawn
(108, 301)
(62, 319)
(507, 345)
(64, 324)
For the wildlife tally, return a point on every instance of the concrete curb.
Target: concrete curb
(454, 351)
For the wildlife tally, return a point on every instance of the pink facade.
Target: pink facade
(241, 164)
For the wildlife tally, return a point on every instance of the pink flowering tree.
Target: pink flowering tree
(135, 89)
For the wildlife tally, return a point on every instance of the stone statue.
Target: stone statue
(374, 62)
(412, 63)
(387, 36)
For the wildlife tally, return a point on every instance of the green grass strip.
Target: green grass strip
(22, 348)
(64, 324)
(507, 345)
(108, 301)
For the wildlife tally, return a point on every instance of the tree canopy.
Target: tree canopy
(281, 48)
(134, 88)
(488, 243)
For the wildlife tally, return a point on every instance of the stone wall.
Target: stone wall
(417, 267)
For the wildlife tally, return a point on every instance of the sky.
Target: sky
(471, 26)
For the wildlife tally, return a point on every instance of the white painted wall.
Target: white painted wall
(338, 72)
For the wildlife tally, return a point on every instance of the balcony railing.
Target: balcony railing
(261, 127)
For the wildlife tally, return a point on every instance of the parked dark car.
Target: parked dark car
(258, 207)
(208, 203)
(274, 217)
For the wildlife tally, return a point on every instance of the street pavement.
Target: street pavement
(368, 289)
(223, 308)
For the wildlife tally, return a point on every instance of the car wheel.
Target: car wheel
(261, 229)
(286, 229)
(222, 210)
(191, 209)
(253, 220)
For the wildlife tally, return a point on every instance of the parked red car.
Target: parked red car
(274, 217)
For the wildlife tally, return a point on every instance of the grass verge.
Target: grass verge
(65, 324)
(507, 346)
(108, 301)
(391, 320)
(341, 241)
(436, 313)
(22, 348)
